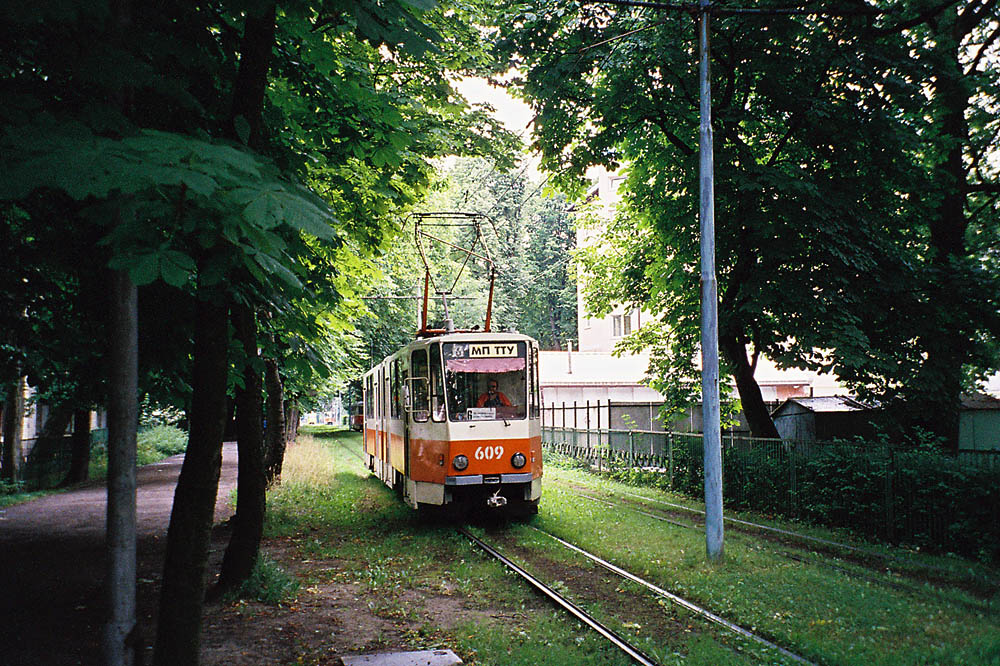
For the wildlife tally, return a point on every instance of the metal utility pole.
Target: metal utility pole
(711, 429)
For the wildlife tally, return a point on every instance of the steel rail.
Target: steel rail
(798, 535)
(901, 587)
(680, 601)
(562, 601)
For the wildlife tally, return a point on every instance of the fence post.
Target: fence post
(670, 457)
(889, 514)
(600, 437)
(793, 501)
(600, 452)
(588, 428)
(631, 448)
(576, 431)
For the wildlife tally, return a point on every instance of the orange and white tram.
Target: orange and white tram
(455, 420)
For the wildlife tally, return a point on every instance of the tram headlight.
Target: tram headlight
(460, 462)
(518, 460)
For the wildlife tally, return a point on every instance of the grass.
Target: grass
(268, 583)
(152, 445)
(332, 509)
(322, 430)
(14, 493)
(827, 615)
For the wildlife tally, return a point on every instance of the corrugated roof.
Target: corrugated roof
(833, 403)
(980, 401)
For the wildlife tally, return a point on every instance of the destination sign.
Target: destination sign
(495, 350)
(484, 350)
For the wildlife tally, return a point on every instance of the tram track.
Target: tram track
(868, 559)
(816, 548)
(630, 649)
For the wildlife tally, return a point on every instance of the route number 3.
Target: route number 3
(489, 453)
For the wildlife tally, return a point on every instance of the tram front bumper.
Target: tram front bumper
(485, 479)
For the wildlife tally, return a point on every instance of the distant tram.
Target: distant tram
(455, 420)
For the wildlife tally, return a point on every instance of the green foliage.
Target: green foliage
(529, 236)
(830, 192)
(143, 167)
(268, 583)
(160, 441)
(151, 414)
(916, 497)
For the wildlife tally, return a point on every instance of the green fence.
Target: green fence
(920, 497)
(47, 463)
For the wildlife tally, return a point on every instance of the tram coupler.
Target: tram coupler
(496, 500)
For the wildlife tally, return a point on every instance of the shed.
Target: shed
(822, 419)
(979, 423)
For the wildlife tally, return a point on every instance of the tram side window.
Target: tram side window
(394, 389)
(369, 398)
(418, 385)
(437, 384)
(533, 384)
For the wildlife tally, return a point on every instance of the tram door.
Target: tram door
(383, 433)
(404, 386)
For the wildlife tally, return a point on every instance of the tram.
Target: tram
(454, 417)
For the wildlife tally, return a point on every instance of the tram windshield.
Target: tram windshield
(485, 381)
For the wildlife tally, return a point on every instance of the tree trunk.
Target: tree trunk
(754, 407)
(120, 642)
(248, 524)
(291, 421)
(13, 420)
(179, 632)
(949, 346)
(79, 466)
(275, 433)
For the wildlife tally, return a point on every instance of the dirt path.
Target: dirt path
(52, 561)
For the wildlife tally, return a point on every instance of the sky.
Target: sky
(513, 113)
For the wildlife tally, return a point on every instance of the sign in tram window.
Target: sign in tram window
(486, 381)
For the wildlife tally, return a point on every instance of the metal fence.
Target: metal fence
(47, 462)
(921, 497)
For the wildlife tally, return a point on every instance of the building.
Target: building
(979, 423)
(822, 418)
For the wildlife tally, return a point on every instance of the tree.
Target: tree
(530, 237)
(193, 186)
(818, 170)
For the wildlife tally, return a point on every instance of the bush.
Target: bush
(268, 583)
(160, 442)
(918, 496)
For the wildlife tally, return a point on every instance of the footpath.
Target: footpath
(52, 565)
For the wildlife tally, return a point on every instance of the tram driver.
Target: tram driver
(493, 397)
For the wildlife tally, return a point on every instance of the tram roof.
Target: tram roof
(464, 336)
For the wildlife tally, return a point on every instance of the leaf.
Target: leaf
(176, 268)
(144, 269)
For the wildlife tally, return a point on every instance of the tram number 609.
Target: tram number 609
(488, 453)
